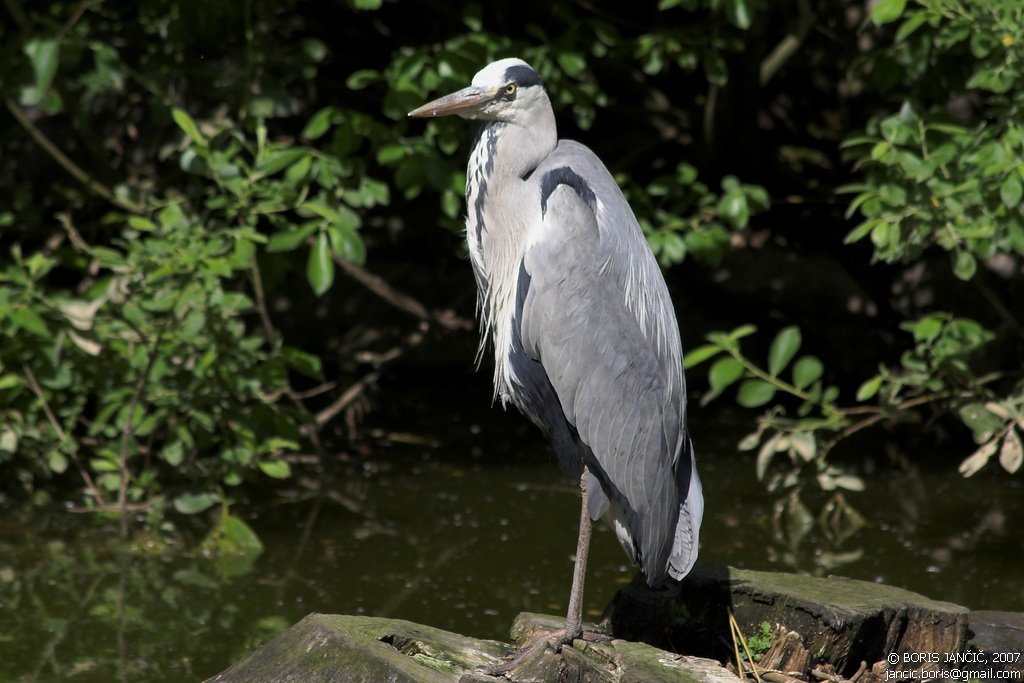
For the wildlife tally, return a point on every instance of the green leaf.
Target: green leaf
(278, 469)
(44, 53)
(724, 372)
(1010, 191)
(964, 265)
(911, 24)
(927, 328)
(700, 354)
(733, 206)
(869, 388)
(572, 63)
(173, 453)
(320, 266)
(754, 393)
(389, 154)
(194, 503)
(742, 331)
(141, 223)
(806, 371)
(29, 320)
(451, 202)
(341, 216)
(279, 159)
(286, 240)
(886, 11)
(189, 126)
(299, 171)
(784, 347)
(8, 441)
(315, 49)
(739, 13)
(362, 78)
(714, 69)
(57, 462)
(347, 243)
(306, 363)
(233, 536)
(318, 124)
(980, 420)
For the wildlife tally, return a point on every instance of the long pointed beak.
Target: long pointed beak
(462, 102)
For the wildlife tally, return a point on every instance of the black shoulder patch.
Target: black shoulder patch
(565, 176)
(523, 76)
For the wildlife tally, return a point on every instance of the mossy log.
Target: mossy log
(326, 648)
(347, 649)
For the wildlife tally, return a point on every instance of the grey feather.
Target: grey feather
(573, 303)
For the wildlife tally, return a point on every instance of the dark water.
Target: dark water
(458, 518)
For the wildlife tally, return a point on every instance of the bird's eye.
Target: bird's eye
(510, 89)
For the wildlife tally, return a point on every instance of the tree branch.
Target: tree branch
(771, 64)
(38, 391)
(70, 166)
(400, 300)
(126, 435)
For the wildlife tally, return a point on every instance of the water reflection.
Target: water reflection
(463, 531)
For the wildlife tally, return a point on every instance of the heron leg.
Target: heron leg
(574, 616)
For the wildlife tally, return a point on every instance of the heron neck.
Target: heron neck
(498, 216)
(521, 146)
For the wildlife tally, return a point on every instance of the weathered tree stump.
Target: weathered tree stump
(841, 622)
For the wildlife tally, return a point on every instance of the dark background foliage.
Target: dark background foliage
(219, 230)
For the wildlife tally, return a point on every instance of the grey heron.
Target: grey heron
(585, 337)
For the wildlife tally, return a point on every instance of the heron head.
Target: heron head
(502, 91)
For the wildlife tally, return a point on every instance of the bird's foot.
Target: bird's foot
(540, 645)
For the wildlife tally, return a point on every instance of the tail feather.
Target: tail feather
(687, 536)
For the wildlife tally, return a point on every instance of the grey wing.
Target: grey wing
(608, 375)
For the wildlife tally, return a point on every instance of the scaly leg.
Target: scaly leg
(574, 617)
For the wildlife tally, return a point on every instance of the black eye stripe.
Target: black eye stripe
(523, 76)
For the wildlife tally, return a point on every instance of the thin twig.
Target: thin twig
(736, 646)
(19, 15)
(317, 390)
(904, 406)
(126, 435)
(411, 340)
(779, 677)
(400, 300)
(343, 401)
(261, 301)
(997, 304)
(76, 16)
(38, 391)
(112, 507)
(750, 656)
(71, 167)
(311, 430)
(788, 46)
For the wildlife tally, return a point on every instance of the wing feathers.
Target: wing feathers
(604, 370)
